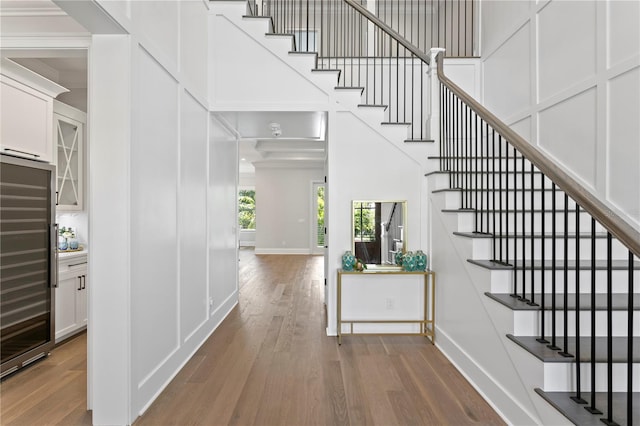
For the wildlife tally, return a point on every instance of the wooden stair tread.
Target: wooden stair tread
(618, 301)
(576, 413)
(543, 353)
(372, 106)
(496, 190)
(485, 211)
(572, 235)
(616, 264)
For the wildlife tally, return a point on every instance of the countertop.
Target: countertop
(64, 255)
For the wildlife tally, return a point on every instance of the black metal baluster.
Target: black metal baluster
(470, 158)
(397, 82)
(578, 397)
(481, 159)
(476, 169)
(532, 206)
(543, 257)
(609, 419)
(523, 233)
(592, 407)
(501, 194)
(507, 177)
(515, 226)
(531, 229)
(553, 345)
(630, 343)
(458, 28)
(493, 188)
(565, 293)
(467, 156)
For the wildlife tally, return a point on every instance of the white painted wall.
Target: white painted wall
(223, 220)
(164, 259)
(566, 76)
(283, 207)
(363, 165)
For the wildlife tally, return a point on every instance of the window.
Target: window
(364, 221)
(320, 216)
(247, 208)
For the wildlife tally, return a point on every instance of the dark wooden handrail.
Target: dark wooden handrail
(609, 219)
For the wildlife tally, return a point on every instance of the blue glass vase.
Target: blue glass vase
(421, 261)
(398, 258)
(409, 262)
(348, 260)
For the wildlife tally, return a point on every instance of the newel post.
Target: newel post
(433, 118)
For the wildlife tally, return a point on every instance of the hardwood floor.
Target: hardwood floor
(51, 391)
(271, 363)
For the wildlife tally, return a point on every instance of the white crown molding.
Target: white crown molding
(34, 80)
(32, 11)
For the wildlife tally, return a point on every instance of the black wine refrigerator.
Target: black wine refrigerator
(28, 264)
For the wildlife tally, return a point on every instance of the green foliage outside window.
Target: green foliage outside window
(320, 220)
(364, 220)
(247, 208)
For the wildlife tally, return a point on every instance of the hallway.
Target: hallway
(271, 363)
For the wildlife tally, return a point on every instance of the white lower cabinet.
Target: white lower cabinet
(71, 297)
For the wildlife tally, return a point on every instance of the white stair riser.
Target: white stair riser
(302, 62)
(484, 164)
(326, 79)
(372, 114)
(395, 131)
(561, 377)
(497, 180)
(256, 26)
(280, 43)
(348, 96)
(503, 283)
(484, 200)
(501, 200)
(483, 249)
(527, 323)
(485, 222)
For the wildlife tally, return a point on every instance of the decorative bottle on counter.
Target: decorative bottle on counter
(421, 261)
(409, 262)
(348, 260)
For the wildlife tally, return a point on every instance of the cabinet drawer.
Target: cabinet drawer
(68, 268)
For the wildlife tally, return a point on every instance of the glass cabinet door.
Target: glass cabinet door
(69, 146)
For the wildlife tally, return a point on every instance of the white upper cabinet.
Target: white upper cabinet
(26, 112)
(68, 136)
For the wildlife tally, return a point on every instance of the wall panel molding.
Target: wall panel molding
(575, 48)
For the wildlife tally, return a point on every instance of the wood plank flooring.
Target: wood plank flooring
(51, 391)
(271, 363)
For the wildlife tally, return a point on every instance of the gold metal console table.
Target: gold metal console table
(428, 321)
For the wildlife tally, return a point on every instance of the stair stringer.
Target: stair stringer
(321, 86)
(487, 358)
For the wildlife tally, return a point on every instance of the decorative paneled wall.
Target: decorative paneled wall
(160, 216)
(566, 76)
(154, 254)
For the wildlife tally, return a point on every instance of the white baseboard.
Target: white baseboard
(496, 396)
(247, 243)
(282, 251)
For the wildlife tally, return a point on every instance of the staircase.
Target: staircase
(537, 299)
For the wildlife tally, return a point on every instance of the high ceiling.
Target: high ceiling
(300, 136)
